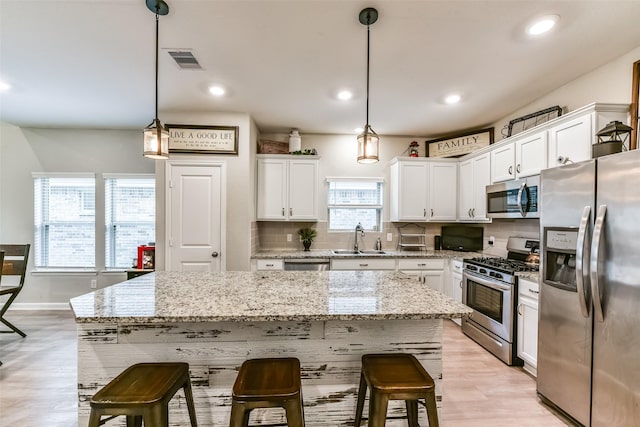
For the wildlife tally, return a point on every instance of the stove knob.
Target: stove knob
(492, 273)
(497, 276)
(483, 271)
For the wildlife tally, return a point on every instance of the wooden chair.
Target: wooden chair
(395, 376)
(142, 393)
(268, 383)
(14, 264)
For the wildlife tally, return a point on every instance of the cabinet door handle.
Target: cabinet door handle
(473, 212)
(363, 265)
(510, 170)
(422, 265)
(432, 213)
(470, 213)
(269, 265)
(424, 213)
(520, 309)
(460, 284)
(215, 255)
(534, 292)
(282, 211)
(290, 211)
(518, 168)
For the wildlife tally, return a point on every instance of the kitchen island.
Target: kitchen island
(216, 321)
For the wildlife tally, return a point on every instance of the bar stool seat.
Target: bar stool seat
(142, 392)
(396, 376)
(267, 383)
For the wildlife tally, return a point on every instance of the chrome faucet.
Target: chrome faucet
(361, 230)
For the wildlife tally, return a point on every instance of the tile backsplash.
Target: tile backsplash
(268, 235)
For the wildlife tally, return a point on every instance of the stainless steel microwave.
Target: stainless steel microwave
(514, 199)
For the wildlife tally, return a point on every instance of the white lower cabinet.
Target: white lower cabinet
(455, 287)
(362, 263)
(528, 324)
(427, 270)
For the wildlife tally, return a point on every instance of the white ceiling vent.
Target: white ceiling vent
(185, 59)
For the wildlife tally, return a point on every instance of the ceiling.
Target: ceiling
(90, 63)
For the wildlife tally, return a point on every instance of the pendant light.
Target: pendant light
(368, 140)
(156, 136)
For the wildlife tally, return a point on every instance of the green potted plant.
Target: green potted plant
(306, 236)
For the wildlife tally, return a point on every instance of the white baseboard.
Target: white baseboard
(40, 306)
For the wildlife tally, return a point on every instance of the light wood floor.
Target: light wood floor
(38, 379)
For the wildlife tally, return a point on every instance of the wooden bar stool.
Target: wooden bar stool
(267, 383)
(142, 392)
(395, 377)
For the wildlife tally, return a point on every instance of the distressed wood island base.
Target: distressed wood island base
(215, 322)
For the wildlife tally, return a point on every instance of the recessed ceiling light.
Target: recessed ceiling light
(542, 25)
(345, 95)
(4, 86)
(216, 90)
(454, 98)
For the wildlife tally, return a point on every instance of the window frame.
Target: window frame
(109, 257)
(39, 222)
(379, 207)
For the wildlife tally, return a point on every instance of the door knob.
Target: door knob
(214, 255)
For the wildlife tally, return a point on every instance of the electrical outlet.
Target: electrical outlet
(94, 283)
(389, 237)
(491, 240)
(289, 237)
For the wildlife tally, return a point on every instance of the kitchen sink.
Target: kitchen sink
(350, 252)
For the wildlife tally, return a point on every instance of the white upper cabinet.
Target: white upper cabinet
(423, 190)
(570, 140)
(287, 189)
(475, 175)
(408, 193)
(523, 156)
(443, 191)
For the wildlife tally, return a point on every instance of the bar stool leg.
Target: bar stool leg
(188, 394)
(94, 418)
(134, 420)
(377, 409)
(158, 415)
(432, 410)
(295, 414)
(362, 391)
(239, 415)
(412, 412)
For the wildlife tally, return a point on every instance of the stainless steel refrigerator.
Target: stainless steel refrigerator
(589, 308)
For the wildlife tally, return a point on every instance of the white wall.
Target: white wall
(27, 150)
(610, 83)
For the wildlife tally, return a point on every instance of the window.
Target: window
(130, 215)
(64, 214)
(352, 201)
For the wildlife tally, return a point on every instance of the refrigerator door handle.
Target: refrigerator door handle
(520, 206)
(582, 261)
(595, 255)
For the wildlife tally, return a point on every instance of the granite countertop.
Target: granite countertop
(241, 296)
(533, 276)
(327, 253)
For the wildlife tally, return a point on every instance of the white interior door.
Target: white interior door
(195, 217)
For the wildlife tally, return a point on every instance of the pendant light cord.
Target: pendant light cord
(157, 31)
(368, 35)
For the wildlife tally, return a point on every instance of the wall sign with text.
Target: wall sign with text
(454, 146)
(203, 139)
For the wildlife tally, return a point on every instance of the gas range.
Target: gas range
(502, 269)
(490, 288)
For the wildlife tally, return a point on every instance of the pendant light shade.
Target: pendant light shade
(156, 136)
(368, 140)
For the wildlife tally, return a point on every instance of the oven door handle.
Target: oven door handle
(485, 282)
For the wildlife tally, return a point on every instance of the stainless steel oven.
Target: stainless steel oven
(490, 288)
(492, 322)
(514, 199)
